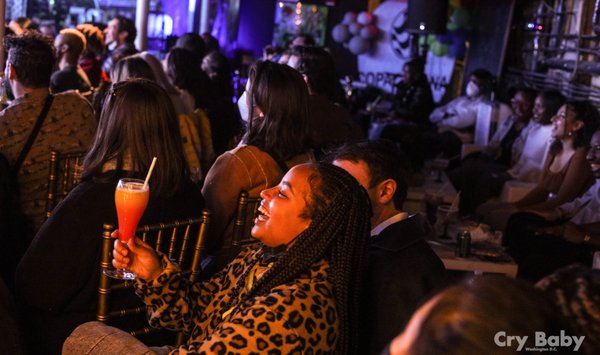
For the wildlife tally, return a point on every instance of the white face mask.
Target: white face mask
(243, 107)
(472, 89)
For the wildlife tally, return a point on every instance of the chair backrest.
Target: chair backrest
(246, 212)
(501, 112)
(192, 146)
(182, 241)
(483, 123)
(64, 173)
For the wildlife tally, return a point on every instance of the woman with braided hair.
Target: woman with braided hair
(298, 292)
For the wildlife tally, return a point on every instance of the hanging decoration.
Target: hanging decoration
(357, 32)
(454, 42)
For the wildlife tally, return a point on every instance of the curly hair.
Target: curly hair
(340, 212)
(32, 56)
(575, 290)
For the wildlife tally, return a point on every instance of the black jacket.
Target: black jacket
(402, 272)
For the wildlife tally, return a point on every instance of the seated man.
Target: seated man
(402, 269)
(67, 127)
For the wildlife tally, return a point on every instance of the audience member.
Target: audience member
(296, 293)
(330, 124)
(531, 163)
(455, 121)
(413, 100)
(566, 173)
(304, 39)
(408, 121)
(402, 269)
(226, 123)
(67, 127)
(575, 290)
(130, 67)
(210, 43)
(119, 36)
(194, 43)
(57, 279)
(543, 240)
(467, 318)
(188, 77)
(91, 58)
(163, 80)
(277, 139)
(69, 45)
(503, 151)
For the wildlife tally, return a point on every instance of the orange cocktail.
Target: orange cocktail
(131, 199)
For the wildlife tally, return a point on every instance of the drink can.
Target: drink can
(463, 245)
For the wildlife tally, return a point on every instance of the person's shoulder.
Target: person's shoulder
(73, 99)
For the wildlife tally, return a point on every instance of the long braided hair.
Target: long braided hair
(340, 212)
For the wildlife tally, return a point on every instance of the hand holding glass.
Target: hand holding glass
(131, 199)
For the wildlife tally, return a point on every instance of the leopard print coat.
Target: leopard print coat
(294, 318)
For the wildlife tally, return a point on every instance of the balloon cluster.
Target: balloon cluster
(453, 43)
(356, 32)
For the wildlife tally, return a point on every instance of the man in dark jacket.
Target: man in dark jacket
(402, 269)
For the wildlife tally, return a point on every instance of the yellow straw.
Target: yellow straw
(150, 172)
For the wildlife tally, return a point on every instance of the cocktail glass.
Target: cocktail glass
(131, 199)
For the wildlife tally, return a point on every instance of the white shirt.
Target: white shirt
(531, 163)
(383, 225)
(459, 113)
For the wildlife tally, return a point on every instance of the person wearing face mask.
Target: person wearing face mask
(461, 112)
(455, 120)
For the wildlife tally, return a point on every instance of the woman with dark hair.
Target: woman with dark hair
(277, 138)
(531, 163)
(225, 120)
(184, 71)
(566, 172)
(57, 279)
(133, 66)
(296, 293)
(129, 67)
(476, 316)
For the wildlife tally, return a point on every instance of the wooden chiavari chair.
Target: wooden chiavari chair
(173, 239)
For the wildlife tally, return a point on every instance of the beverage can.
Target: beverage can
(463, 244)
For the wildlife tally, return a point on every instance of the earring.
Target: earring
(261, 115)
(570, 133)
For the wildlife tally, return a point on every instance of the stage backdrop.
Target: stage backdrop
(382, 65)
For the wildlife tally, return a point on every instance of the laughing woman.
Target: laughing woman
(296, 293)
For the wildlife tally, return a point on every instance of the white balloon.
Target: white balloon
(355, 28)
(340, 33)
(358, 45)
(349, 18)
